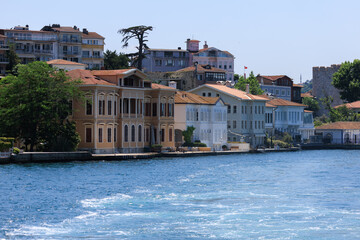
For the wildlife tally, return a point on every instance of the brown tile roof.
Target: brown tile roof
(308, 111)
(297, 85)
(205, 49)
(63, 62)
(182, 97)
(273, 78)
(170, 50)
(350, 105)
(201, 69)
(235, 92)
(87, 77)
(3, 36)
(92, 35)
(340, 125)
(269, 105)
(283, 102)
(307, 94)
(159, 86)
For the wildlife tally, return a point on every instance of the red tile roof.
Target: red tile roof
(111, 72)
(340, 125)
(307, 94)
(87, 77)
(308, 111)
(297, 85)
(182, 97)
(201, 69)
(351, 105)
(63, 62)
(92, 35)
(235, 92)
(159, 86)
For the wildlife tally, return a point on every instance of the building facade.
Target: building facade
(92, 49)
(3, 48)
(122, 111)
(245, 112)
(165, 60)
(32, 45)
(279, 86)
(207, 114)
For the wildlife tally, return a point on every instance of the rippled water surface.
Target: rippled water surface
(298, 195)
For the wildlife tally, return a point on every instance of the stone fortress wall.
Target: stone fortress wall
(322, 87)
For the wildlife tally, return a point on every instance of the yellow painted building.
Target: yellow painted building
(122, 112)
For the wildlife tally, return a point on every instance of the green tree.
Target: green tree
(12, 58)
(113, 60)
(140, 34)
(347, 80)
(311, 104)
(188, 133)
(35, 105)
(254, 86)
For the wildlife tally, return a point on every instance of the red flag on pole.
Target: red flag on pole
(245, 67)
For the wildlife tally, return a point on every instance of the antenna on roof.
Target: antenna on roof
(300, 78)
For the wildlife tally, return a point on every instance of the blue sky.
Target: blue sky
(269, 37)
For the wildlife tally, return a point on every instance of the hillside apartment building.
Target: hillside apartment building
(56, 42)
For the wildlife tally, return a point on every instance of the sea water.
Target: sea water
(290, 195)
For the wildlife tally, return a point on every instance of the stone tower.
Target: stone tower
(322, 87)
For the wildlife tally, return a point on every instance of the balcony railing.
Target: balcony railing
(4, 60)
(4, 47)
(70, 53)
(96, 57)
(71, 40)
(43, 51)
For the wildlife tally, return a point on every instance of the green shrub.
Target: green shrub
(199, 144)
(156, 146)
(16, 150)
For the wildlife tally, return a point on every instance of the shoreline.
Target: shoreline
(58, 157)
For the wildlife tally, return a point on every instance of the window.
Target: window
(101, 107)
(139, 133)
(115, 108)
(228, 123)
(234, 109)
(169, 62)
(242, 109)
(162, 109)
(234, 124)
(255, 109)
(88, 135)
(148, 109)
(115, 134)
(168, 54)
(218, 95)
(147, 135)
(204, 94)
(126, 133)
(229, 109)
(100, 135)
(170, 135)
(109, 134)
(170, 109)
(154, 109)
(158, 62)
(162, 134)
(133, 133)
(225, 66)
(109, 107)
(209, 94)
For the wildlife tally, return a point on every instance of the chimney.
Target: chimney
(172, 84)
(85, 31)
(247, 88)
(205, 45)
(179, 48)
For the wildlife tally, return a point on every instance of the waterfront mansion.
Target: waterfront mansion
(122, 112)
(207, 114)
(245, 112)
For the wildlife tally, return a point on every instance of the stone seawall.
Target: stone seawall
(50, 157)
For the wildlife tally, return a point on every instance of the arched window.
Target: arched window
(126, 133)
(139, 134)
(133, 133)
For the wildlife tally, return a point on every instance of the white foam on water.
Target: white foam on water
(96, 203)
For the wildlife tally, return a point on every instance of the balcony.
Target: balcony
(70, 41)
(43, 51)
(94, 57)
(4, 60)
(4, 47)
(71, 53)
